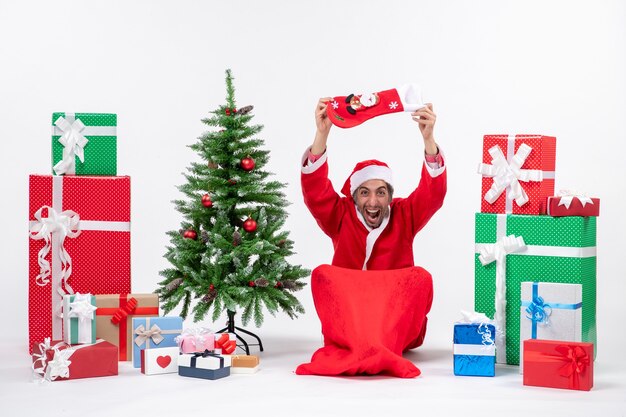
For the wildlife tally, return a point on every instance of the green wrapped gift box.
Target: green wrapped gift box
(84, 144)
(531, 248)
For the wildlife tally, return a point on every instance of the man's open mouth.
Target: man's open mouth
(372, 215)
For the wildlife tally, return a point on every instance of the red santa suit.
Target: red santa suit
(358, 246)
(365, 333)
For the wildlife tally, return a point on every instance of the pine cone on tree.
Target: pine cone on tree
(210, 295)
(236, 238)
(245, 110)
(205, 236)
(173, 284)
(261, 282)
(289, 285)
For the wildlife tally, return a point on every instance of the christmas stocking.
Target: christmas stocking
(352, 110)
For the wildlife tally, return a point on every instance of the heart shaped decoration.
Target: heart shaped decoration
(163, 361)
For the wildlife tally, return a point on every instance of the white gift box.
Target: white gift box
(550, 311)
(157, 361)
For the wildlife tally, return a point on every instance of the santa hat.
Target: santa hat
(364, 171)
(352, 110)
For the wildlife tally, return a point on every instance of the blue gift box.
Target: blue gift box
(152, 332)
(474, 349)
(205, 365)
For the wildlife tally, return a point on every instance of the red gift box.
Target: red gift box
(57, 361)
(80, 242)
(558, 364)
(518, 173)
(572, 205)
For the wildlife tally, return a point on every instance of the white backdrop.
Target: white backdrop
(554, 68)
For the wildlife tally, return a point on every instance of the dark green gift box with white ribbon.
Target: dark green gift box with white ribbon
(84, 144)
(511, 249)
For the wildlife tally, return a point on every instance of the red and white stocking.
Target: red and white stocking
(352, 110)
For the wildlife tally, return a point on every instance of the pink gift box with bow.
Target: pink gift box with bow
(196, 340)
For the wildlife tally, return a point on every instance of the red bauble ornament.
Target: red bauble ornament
(190, 234)
(227, 111)
(211, 287)
(247, 164)
(206, 201)
(249, 225)
(251, 284)
(278, 284)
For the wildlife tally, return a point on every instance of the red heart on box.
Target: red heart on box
(163, 361)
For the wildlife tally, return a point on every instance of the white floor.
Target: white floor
(275, 390)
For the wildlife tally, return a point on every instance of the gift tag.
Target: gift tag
(159, 360)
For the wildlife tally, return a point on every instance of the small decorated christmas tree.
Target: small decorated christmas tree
(230, 253)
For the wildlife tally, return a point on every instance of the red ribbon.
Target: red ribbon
(228, 346)
(128, 307)
(123, 312)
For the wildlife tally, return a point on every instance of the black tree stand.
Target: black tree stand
(231, 328)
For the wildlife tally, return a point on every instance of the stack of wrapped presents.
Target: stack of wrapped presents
(83, 317)
(535, 269)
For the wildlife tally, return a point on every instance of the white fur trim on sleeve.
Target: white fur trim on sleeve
(435, 172)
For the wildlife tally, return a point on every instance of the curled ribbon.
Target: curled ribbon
(73, 142)
(567, 196)
(143, 334)
(498, 252)
(538, 310)
(123, 312)
(66, 224)
(508, 175)
(485, 333)
(473, 317)
(58, 367)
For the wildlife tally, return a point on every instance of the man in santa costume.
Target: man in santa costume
(369, 228)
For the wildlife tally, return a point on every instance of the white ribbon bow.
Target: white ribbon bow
(498, 252)
(73, 142)
(58, 367)
(82, 308)
(568, 195)
(66, 224)
(144, 334)
(508, 175)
